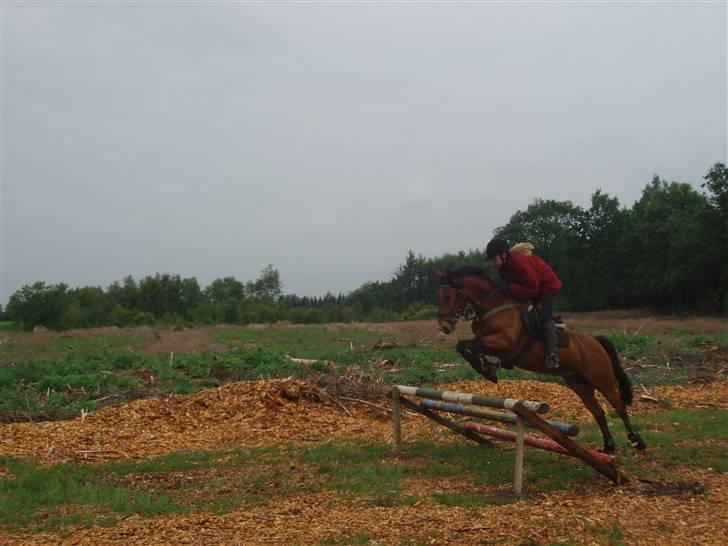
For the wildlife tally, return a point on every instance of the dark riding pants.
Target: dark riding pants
(547, 306)
(549, 327)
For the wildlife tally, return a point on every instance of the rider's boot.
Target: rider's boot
(552, 354)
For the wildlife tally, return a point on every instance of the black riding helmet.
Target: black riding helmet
(495, 248)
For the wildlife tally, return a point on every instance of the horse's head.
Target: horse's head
(451, 302)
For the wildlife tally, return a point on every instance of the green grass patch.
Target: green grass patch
(50, 498)
(685, 438)
(42, 390)
(365, 470)
(79, 489)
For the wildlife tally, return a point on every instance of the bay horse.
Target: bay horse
(588, 363)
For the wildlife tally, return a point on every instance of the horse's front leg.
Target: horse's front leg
(472, 351)
(498, 344)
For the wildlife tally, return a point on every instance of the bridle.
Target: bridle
(461, 303)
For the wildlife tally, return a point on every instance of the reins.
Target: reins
(461, 310)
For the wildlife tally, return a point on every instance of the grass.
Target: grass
(49, 498)
(60, 389)
(23, 347)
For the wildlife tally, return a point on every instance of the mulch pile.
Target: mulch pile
(271, 412)
(254, 413)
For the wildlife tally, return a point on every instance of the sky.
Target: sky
(328, 139)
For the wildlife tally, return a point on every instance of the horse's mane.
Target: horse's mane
(467, 271)
(472, 271)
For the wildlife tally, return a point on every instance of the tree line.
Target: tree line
(668, 252)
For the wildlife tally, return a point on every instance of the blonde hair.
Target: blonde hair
(523, 248)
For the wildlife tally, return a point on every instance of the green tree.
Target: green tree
(40, 305)
(546, 223)
(227, 288)
(670, 255)
(90, 307)
(716, 181)
(125, 294)
(268, 286)
(593, 279)
(169, 295)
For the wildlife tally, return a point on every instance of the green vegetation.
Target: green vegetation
(60, 389)
(33, 496)
(58, 376)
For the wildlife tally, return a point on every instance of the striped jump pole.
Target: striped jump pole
(492, 415)
(533, 441)
(524, 414)
(474, 399)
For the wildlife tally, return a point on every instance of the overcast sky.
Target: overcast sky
(209, 140)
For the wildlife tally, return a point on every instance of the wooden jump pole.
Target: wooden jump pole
(518, 470)
(474, 399)
(492, 415)
(533, 441)
(575, 450)
(455, 427)
(397, 421)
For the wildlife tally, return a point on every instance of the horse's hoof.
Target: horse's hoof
(637, 442)
(489, 373)
(606, 450)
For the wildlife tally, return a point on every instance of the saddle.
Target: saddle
(533, 322)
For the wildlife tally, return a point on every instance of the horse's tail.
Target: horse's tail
(625, 387)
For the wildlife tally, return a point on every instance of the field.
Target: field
(215, 436)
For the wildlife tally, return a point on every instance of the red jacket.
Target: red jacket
(528, 277)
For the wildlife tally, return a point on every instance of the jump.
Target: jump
(586, 364)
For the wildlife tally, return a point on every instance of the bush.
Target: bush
(120, 316)
(143, 318)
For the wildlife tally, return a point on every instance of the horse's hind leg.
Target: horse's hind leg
(634, 437)
(585, 391)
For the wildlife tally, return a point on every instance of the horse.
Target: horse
(587, 364)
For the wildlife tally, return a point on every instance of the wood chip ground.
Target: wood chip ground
(265, 413)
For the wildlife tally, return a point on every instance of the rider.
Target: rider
(528, 277)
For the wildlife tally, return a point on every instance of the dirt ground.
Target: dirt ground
(265, 413)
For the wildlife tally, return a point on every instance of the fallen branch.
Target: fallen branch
(336, 402)
(647, 396)
(384, 345)
(311, 362)
(383, 408)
